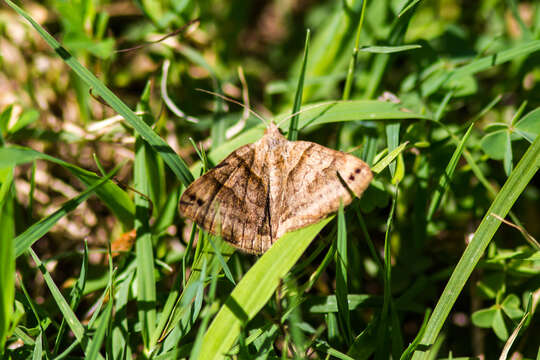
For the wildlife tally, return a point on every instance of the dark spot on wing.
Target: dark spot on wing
(351, 177)
(200, 202)
(357, 170)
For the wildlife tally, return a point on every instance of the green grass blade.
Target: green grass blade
(387, 160)
(176, 164)
(75, 296)
(380, 62)
(318, 114)
(72, 321)
(351, 71)
(221, 258)
(406, 355)
(37, 230)
(38, 348)
(293, 127)
(330, 42)
(407, 7)
(7, 253)
(254, 290)
(351, 110)
(384, 325)
(526, 33)
(513, 187)
(120, 332)
(97, 340)
(392, 139)
(342, 287)
(206, 317)
(484, 63)
(179, 305)
(117, 200)
(388, 49)
(146, 286)
(446, 177)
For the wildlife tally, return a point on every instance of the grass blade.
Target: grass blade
(69, 315)
(392, 139)
(176, 164)
(388, 49)
(120, 332)
(484, 63)
(293, 127)
(179, 305)
(146, 294)
(519, 178)
(75, 296)
(446, 177)
(38, 348)
(7, 253)
(384, 325)
(37, 230)
(254, 290)
(97, 340)
(342, 287)
(351, 71)
(387, 160)
(380, 62)
(117, 200)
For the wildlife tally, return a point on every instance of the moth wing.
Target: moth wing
(231, 200)
(316, 179)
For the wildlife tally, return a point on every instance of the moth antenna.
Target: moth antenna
(234, 102)
(236, 128)
(307, 108)
(174, 33)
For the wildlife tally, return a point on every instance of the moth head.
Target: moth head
(272, 129)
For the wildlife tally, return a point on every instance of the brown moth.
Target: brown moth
(273, 186)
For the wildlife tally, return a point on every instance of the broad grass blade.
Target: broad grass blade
(254, 290)
(513, 187)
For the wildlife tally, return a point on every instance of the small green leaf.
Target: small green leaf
(529, 125)
(511, 308)
(495, 126)
(499, 326)
(494, 144)
(483, 318)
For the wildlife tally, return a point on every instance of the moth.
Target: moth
(265, 189)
